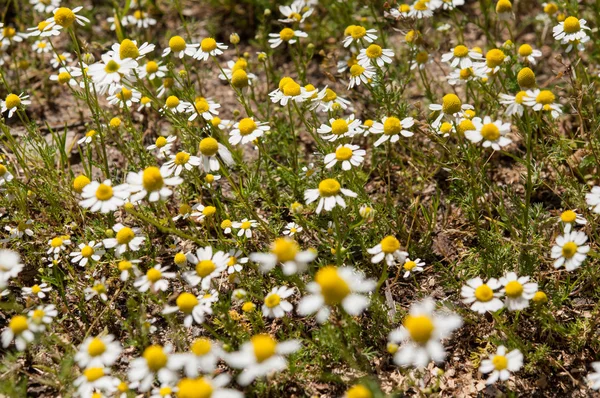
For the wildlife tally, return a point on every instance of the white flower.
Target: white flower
(570, 250)
(275, 305)
(125, 97)
(483, 297)
(12, 102)
(36, 290)
(451, 108)
(163, 145)
(245, 227)
(41, 47)
(391, 129)
(203, 357)
(461, 57)
(501, 364)
(126, 239)
(461, 76)
(374, 54)
(45, 6)
(209, 48)
(388, 249)
(593, 378)
(206, 108)
(333, 286)
(178, 162)
(329, 193)
(234, 264)
(247, 130)
(295, 13)
(528, 54)
(420, 10)
(194, 310)
(152, 70)
(20, 230)
(97, 289)
(103, 197)
(18, 329)
(260, 356)
(94, 379)
(129, 49)
(209, 148)
(140, 19)
(410, 266)
(357, 33)
(514, 102)
(155, 279)
(5, 175)
(288, 91)
(571, 29)
(349, 155)
(127, 267)
(151, 182)
(284, 251)
(58, 244)
(208, 265)
(41, 316)
(287, 35)
(98, 351)
(67, 75)
(492, 133)
(62, 16)
(179, 48)
(44, 29)
(569, 218)
(292, 229)
(62, 59)
(9, 35)
(421, 333)
(542, 100)
(518, 291)
(112, 72)
(593, 199)
(206, 386)
(359, 73)
(327, 98)
(175, 105)
(155, 361)
(338, 128)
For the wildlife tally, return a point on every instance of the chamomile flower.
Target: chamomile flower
(65, 17)
(203, 212)
(18, 329)
(504, 10)
(163, 145)
(329, 193)
(348, 155)
(338, 128)
(9, 36)
(87, 253)
(461, 57)
(41, 47)
(208, 265)
(45, 6)
(292, 229)
(62, 59)
(67, 75)
(140, 19)
(501, 364)
(244, 227)
(5, 175)
(180, 48)
(58, 244)
(518, 291)
(420, 10)
(388, 249)
(152, 70)
(529, 54)
(155, 279)
(260, 356)
(392, 128)
(233, 67)
(593, 378)
(36, 290)
(207, 387)
(44, 29)
(178, 162)
(295, 13)
(288, 91)
(450, 108)
(112, 72)
(127, 239)
(103, 197)
(483, 297)
(209, 48)
(492, 133)
(12, 102)
(165, 390)
(420, 61)
(592, 199)
(461, 76)
(247, 130)
(336, 286)
(235, 262)
(572, 29)
(411, 267)
(359, 73)
(191, 307)
(98, 289)
(93, 381)
(127, 267)
(326, 99)
(284, 251)
(493, 60)
(374, 54)
(98, 351)
(286, 35)
(152, 182)
(275, 305)
(209, 149)
(206, 108)
(514, 102)
(10, 265)
(41, 316)
(421, 334)
(357, 33)
(174, 105)
(129, 49)
(156, 361)
(20, 230)
(446, 4)
(542, 100)
(570, 250)
(569, 218)
(202, 357)
(125, 97)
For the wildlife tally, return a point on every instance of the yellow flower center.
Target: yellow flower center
(571, 25)
(525, 50)
(330, 95)
(466, 73)
(540, 297)
(112, 66)
(484, 293)
(12, 101)
(291, 89)
(356, 70)
(209, 146)
(93, 374)
(358, 32)
(264, 347)
(226, 224)
(503, 6)
(286, 34)
(329, 187)
(392, 126)
(451, 104)
(128, 49)
(494, 58)
(179, 259)
(164, 391)
(99, 288)
(409, 265)
(374, 51)
(461, 51)
(79, 182)
(239, 78)
(568, 216)
(160, 142)
(343, 153)
(124, 265)
(18, 324)
(115, 122)
(138, 14)
(339, 127)
(545, 97)
(526, 78)
(205, 268)
(155, 357)
(296, 16)
(246, 225)
(569, 249)
(87, 251)
(168, 82)
(520, 96)
(209, 178)
(285, 249)
(201, 347)
(64, 17)
(420, 328)
(177, 44)
(56, 242)
(182, 158)
(247, 126)
(35, 289)
(152, 180)
(514, 289)
(359, 391)
(151, 67)
(38, 315)
(153, 275)
(272, 300)
(490, 132)
(125, 94)
(172, 102)
(422, 57)
(500, 362)
(334, 288)
(389, 244)
(104, 192)
(96, 347)
(64, 77)
(550, 8)
(125, 235)
(186, 302)
(209, 44)
(202, 105)
(42, 25)
(194, 388)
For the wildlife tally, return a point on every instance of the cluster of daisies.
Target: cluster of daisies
(131, 78)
